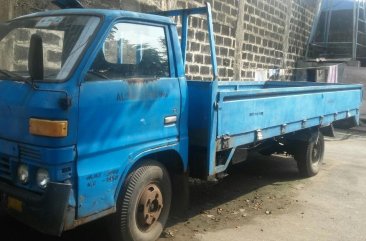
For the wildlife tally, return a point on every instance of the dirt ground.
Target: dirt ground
(262, 199)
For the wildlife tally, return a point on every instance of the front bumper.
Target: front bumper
(45, 212)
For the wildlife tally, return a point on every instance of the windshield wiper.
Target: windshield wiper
(16, 77)
(11, 74)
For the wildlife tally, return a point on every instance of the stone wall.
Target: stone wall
(250, 34)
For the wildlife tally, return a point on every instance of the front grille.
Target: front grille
(28, 153)
(5, 171)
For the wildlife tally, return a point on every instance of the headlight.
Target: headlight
(23, 174)
(42, 178)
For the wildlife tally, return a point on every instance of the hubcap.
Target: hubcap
(149, 206)
(316, 153)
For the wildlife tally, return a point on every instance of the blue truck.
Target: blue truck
(98, 119)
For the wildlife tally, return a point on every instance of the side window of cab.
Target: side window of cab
(132, 51)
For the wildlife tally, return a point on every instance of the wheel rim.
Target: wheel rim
(316, 153)
(150, 206)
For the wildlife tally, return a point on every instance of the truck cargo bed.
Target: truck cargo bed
(228, 114)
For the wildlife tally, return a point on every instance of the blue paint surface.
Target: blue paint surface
(239, 109)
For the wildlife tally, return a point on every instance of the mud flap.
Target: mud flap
(346, 123)
(180, 197)
(328, 130)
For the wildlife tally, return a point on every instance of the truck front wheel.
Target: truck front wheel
(144, 203)
(309, 155)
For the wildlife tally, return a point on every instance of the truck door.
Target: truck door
(129, 103)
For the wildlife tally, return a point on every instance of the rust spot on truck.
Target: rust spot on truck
(90, 218)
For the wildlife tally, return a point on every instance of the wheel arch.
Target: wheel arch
(169, 158)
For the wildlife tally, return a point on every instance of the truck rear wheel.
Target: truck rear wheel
(144, 203)
(309, 155)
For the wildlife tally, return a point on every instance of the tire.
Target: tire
(309, 155)
(146, 191)
(2, 203)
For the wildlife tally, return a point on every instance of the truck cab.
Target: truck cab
(107, 91)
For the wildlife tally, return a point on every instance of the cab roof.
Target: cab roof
(109, 14)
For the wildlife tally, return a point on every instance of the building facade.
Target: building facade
(250, 35)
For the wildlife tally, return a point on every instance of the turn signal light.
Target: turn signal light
(50, 128)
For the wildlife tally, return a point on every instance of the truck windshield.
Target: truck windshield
(63, 40)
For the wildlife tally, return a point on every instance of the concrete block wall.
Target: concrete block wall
(249, 34)
(225, 15)
(275, 34)
(16, 48)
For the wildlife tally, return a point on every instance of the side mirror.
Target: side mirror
(35, 58)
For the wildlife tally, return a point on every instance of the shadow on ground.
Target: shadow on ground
(244, 178)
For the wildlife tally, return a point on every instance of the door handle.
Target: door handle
(170, 120)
